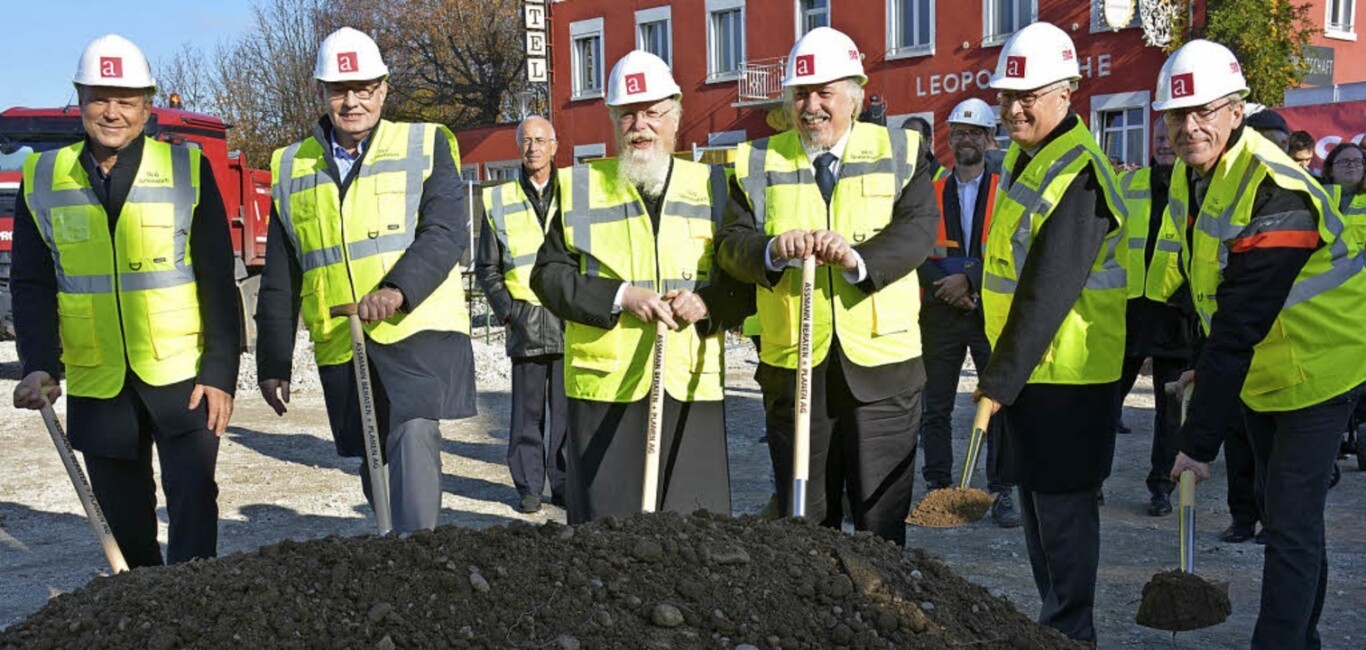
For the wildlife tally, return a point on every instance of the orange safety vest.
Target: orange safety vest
(942, 241)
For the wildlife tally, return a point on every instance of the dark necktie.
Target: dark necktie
(825, 178)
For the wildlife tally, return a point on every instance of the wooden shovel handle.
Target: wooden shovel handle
(349, 309)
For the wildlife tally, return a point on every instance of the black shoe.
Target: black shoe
(1120, 427)
(557, 500)
(931, 486)
(1260, 537)
(530, 503)
(1236, 534)
(1159, 505)
(1003, 511)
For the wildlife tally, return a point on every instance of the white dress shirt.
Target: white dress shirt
(967, 207)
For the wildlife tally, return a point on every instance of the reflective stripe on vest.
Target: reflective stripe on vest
(519, 232)
(943, 242)
(1089, 346)
(346, 247)
(778, 180)
(606, 224)
(1160, 277)
(129, 294)
(1313, 350)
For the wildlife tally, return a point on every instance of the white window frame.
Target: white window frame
(1337, 31)
(595, 150)
(580, 30)
(498, 170)
(714, 7)
(1098, 24)
(894, 49)
(469, 172)
(988, 17)
(1000, 134)
(726, 138)
(1119, 102)
(801, 15)
(664, 15)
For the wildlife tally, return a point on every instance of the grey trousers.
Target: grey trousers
(1062, 534)
(413, 449)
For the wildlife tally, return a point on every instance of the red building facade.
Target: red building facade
(922, 57)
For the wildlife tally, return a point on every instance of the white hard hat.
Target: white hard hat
(975, 112)
(1038, 55)
(821, 56)
(114, 61)
(641, 77)
(1197, 74)
(349, 55)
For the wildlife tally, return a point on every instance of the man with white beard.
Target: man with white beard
(631, 246)
(858, 198)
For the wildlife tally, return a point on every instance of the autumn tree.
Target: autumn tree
(1268, 37)
(188, 75)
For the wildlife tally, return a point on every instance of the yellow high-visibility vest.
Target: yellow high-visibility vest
(345, 249)
(777, 177)
(510, 214)
(607, 225)
(132, 292)
(1156, 279)
(1315, 348)
(1089, 346)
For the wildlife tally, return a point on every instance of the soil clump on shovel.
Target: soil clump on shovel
(647, 581)
(950, 507)
(1180, 602)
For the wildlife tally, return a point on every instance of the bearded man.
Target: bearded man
(630, 247)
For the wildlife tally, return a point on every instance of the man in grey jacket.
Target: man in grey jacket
(516, 213)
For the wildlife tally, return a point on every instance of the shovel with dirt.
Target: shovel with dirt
(964, 504)
(1179, 600)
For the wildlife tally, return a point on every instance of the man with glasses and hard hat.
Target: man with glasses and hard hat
(858, 198)
(950, 319)
(123, 273)
(1053, 293)
(517, 213)
(371, 212)
(631, 246)
(1275, 282)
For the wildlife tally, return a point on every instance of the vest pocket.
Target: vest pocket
(156, 239)
(76, 325)
(313, 300)
(173, 331)
(594, 350)
(70, 227)
(704, 353)
(892, 307)
(1274, 365)
(391, 203)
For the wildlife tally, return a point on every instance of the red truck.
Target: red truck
(246, 191)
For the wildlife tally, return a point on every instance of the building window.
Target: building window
(1341, 21)
(469, 173)
(1001, 18)
(812, 14)
(1120, 125)
(725, 39)
(910, 27)
(1098, 23)
(505, 170)
(654, 32)
(586, 55)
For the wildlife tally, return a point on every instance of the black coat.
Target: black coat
(110, 427)
(532, 330)
(969, 246)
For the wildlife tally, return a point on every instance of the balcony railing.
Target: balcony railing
(761, 80)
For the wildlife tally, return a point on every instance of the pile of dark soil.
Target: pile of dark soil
(656, 581)
(1179, 601)
(950, 507)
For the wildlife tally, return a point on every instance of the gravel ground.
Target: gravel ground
(279, 479)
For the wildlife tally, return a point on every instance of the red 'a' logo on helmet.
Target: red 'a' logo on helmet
(1015, 67)
(346, 62)
(111, 67)
(1234, 67)
(1183, 85)
(635, 83)
(806, 65)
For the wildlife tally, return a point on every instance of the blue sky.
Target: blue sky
(43, 39)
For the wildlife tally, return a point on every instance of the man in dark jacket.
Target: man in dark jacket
(517, 213)
(388, 195)
(150, 342)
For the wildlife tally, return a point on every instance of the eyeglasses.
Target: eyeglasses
(1349, 162)
(1203, 114)
(1007, 97)
(971, 135)
(649, 115)
(539, 143)
(338, 91)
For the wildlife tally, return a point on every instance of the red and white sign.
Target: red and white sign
(1329, 124)
(635, 83)
(111, 67)
(346, 62)
(1183, 85)
(1015, 67)
(806, 65)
